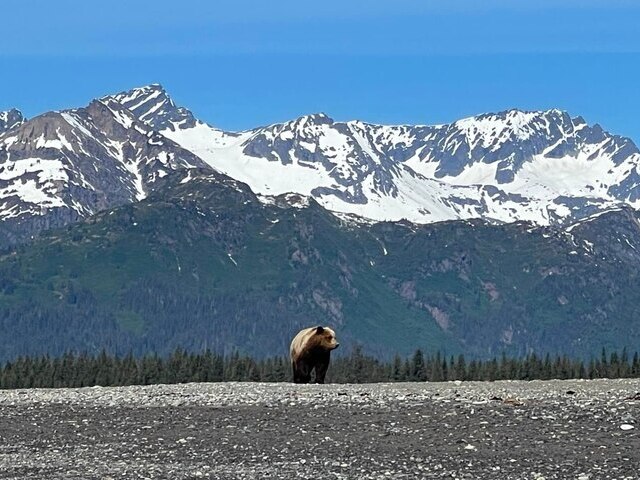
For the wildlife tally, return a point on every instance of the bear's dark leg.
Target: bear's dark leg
(321, 368)
(298, 378)
(301, 373)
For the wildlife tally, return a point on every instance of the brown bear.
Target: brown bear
(311, 348)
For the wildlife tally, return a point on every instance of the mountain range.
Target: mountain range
(544, 167)
(131, 225)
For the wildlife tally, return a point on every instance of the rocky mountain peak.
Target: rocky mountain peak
(62, 166)
(304, 126)
(152, 105)
(542, 166)
(10, 119)
(512, 125)
(315, 119)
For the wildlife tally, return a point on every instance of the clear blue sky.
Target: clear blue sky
(243, 63)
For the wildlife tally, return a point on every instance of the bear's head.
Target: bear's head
(326, 338)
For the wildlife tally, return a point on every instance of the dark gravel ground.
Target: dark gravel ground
(501, 430)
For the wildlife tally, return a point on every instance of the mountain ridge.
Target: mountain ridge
(65, 165)
(545, 167)
(474, 167)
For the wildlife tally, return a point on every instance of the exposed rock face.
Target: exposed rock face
(152, 105)
(10, 119)
(62, 166)
(494, 166)
(544, 166)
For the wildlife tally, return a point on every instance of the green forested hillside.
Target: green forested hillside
(204, 264)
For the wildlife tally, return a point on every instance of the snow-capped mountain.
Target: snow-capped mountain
(546, 167)
(576, 284)
(10, 119)
(152, 105)
(61, 166)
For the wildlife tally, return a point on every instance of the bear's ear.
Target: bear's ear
(319, 329)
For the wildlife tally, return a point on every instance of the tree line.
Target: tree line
(83, 370)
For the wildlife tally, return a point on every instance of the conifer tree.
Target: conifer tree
(396, 371)
(418, 368)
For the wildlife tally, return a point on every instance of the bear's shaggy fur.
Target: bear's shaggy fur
(311, 348)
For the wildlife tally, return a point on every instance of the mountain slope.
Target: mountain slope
(203, 262)
(200, 262)
(545, 167)
(62, 166)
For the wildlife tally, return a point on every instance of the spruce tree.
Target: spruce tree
(418, 368)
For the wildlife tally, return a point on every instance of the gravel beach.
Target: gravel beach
(467, 430)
